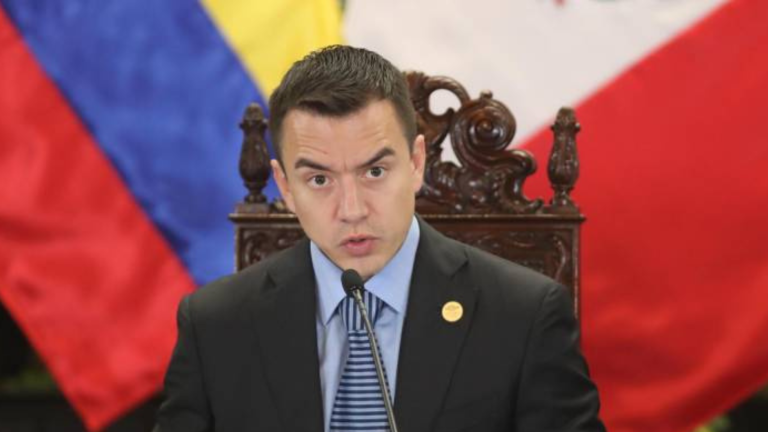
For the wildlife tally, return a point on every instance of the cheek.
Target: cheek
(394, 200)
(312, 206)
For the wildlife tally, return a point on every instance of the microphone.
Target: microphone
(353, 286)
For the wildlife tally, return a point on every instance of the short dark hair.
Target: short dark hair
(336, 81)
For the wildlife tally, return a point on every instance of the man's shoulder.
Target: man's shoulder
(509, 295)
(494, 268)
(504, 280)
(230, 293)
(489, 272)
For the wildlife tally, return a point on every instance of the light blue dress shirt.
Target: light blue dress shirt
(391, 285)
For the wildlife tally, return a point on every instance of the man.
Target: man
(469, 341)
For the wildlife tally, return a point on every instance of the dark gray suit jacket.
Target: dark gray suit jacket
(246, 355)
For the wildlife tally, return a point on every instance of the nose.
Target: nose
(352, 208)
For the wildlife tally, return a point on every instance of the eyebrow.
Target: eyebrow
(381, 154)
(306, 163)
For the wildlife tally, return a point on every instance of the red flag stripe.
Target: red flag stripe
(75, 249)
(675, 265)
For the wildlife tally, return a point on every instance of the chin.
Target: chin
(366, 269)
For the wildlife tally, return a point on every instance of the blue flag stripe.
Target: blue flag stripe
(162, 93)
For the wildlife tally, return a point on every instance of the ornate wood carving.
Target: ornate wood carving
(257, 243)
(490, 178)
(254, 155)
(544, 251)
(563, 166)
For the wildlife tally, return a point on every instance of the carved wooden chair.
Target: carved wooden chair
(481, 202)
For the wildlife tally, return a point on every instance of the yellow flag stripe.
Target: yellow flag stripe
(269, 35)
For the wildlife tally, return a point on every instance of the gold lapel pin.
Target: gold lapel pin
(452, 311)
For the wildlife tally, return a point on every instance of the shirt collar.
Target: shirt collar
(391, 284)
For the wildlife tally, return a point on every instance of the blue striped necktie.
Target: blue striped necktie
(358, 405)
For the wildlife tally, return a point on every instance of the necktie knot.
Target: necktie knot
(350, 314)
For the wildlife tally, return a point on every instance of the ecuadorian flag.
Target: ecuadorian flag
(118, 165)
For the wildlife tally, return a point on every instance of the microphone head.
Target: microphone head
(351, 281)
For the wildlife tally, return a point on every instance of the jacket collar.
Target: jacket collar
(430, 344)
(284, 318)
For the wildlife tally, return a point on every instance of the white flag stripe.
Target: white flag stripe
(535, 55)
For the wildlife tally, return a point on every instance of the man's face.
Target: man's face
(351, 181)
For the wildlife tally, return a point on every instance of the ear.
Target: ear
(418, 159)
(282, 184)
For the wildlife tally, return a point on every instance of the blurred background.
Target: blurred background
(119, 146)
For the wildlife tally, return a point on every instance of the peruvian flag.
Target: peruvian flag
(671, 95)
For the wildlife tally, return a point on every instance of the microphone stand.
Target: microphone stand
(358, 296)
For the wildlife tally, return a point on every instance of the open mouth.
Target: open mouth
(358, 246)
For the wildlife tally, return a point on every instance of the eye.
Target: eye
(376, 172)
(318, 181)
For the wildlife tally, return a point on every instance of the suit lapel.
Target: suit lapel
(285, 321)
(430, 345)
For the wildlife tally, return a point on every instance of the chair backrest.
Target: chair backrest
(479, 201)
